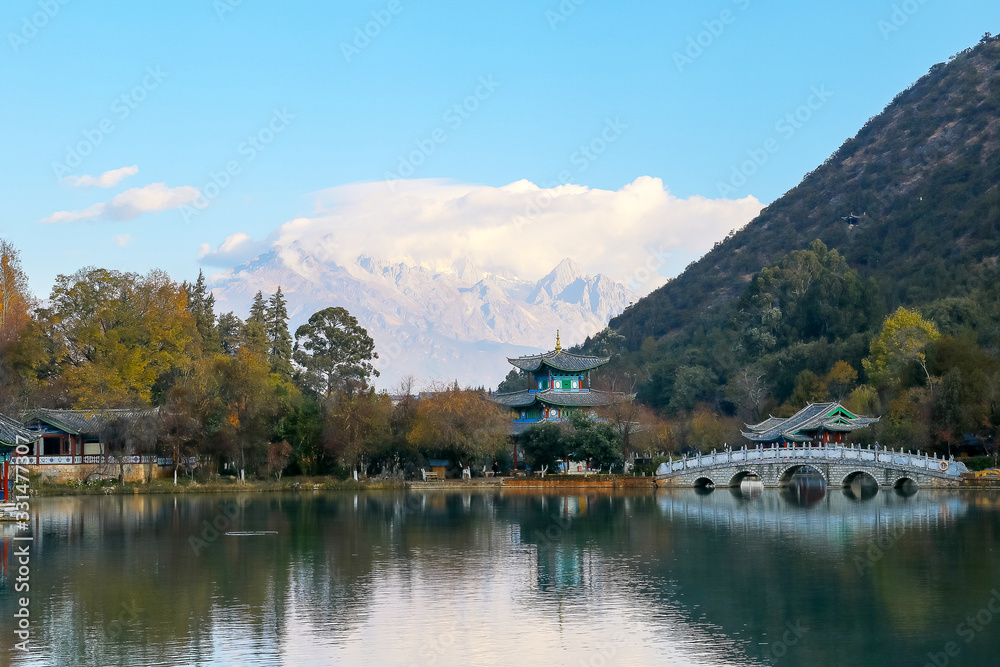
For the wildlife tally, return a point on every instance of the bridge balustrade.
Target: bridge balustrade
(729, 456)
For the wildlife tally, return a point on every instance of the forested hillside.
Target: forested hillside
(906, 213)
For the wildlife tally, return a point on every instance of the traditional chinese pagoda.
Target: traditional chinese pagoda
(561, 386)
(817, 423)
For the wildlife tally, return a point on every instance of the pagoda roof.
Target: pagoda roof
(13, 432)
(814, 417)
(563, 361)
(564, 399)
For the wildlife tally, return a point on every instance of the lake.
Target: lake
(804, 576)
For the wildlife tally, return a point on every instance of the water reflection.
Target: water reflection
(515, 576)
(806, 488)
(862, 487)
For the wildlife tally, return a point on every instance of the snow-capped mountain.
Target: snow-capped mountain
(460, 323)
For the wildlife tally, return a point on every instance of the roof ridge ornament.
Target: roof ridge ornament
(558, 345)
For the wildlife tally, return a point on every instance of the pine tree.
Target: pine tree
(258, 309)
(230, 333)
(279, 340)
(201, 305)
(254, 334)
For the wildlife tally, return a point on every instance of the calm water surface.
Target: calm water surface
(802, 577)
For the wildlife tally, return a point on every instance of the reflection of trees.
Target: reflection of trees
(726, 568)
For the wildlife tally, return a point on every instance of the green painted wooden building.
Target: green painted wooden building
(560, 386)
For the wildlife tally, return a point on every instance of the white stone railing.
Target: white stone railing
(922, 462)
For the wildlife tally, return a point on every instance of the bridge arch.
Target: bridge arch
(741, 475)
(856, 474)
(906, 485)
(785, 475)
(704, 482)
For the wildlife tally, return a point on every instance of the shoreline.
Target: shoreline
(166, 486)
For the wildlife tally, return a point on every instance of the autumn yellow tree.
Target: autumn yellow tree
(840, 379)
(903, 340)
(15, 299)
(115, 334)
(355, 425)
(462, 423)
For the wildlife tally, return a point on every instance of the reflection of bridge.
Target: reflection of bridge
(839, 465)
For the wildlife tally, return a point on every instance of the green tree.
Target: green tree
(595, 441)
(243, 405)
(356, 425)
(544, 444)
(253, 334)
(808, 389)
(279, 341)
(230, 329)
(201, 305)
(335, 353)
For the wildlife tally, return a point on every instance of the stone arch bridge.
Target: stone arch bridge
(838, 464)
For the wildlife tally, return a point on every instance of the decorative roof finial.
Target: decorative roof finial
(558, 346)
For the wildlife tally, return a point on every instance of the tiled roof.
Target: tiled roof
(77, 422)
(813, 417)
(13, 433)
(563, 361)
(522, 399)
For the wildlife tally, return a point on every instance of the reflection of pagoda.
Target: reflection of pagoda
(560, 387)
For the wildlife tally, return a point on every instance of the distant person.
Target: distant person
(496, 468)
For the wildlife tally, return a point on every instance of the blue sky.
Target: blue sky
(178, 88)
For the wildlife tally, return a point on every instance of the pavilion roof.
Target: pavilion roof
(565, 399)
(559, 360)
(83, 422)
(13, 432)
(814, 417)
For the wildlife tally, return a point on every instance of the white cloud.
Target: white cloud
(122, 240)
(108, 179)
(235, 249)
(151, 198)
(638, 235)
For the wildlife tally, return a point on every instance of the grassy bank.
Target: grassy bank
(184, 486)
